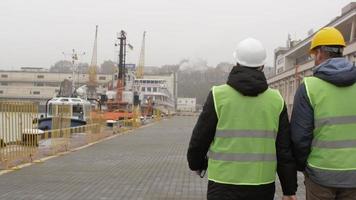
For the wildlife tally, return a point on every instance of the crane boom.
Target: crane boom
(92, 84)
(141, 62)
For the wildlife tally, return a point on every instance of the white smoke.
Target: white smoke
(193, 64)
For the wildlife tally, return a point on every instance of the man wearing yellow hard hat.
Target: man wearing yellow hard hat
(323, 122)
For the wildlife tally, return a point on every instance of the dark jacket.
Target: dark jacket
(337, 71)
(249, 82)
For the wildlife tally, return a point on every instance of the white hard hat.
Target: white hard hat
(250, 53)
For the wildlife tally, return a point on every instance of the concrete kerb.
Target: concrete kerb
(39, 161)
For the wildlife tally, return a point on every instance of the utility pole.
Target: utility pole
(74, 56)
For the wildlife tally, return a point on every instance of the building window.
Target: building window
(102, 78)
(39, 84)
(4, 83)
(143, 89)
(1, 92)
(4, 76)
(280, 70)
(148, 89)
(303, 59)
(154, 89)
(40, 76)
(52, 84)
(36, 93)
(280, 61)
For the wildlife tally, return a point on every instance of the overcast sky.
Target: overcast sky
(34, 33)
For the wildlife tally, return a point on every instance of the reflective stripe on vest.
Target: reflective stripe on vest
(245, 133)
(335, 120)
(243, 151)
(334, 142)
(248, 157)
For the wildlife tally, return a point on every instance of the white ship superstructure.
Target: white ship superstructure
(157, 90)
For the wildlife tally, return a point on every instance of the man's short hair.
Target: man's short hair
(333, 51)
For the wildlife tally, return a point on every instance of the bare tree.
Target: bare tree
(108, 67)
(62, 66)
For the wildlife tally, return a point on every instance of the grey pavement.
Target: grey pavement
(149, 163)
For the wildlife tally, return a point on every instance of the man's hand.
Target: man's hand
(200, 173)
(293, 197)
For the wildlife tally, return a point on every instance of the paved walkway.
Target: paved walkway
(149, 163)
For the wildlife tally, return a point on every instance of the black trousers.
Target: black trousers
(219, 191)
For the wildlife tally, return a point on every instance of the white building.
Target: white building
(186, 104)
(38, 84)
(293, 63)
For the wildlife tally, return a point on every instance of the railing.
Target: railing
(34, 144)
(16, 118)
(21, 141)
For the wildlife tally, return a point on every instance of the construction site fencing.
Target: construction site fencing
(22, 142)
(157, 114)
(17, 130)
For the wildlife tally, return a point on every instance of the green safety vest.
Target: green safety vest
(243, 151)
(334, 142)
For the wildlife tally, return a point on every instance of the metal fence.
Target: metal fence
(17, 130)
(21, 141)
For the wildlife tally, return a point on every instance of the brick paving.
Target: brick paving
(149, 163)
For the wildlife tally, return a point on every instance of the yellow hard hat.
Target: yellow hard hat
(327, 36)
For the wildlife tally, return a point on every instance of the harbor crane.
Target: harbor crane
(118, 102)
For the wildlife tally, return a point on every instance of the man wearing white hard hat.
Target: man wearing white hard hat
(242, 136)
